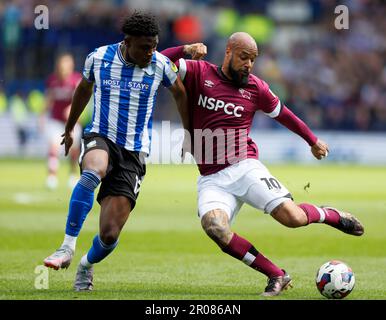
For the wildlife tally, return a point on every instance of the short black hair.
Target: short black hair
(140, 24)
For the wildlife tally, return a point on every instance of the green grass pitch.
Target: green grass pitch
(163, 252)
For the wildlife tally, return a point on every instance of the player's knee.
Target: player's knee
(217, 228)
(109, 238)
(98, 169)
(109, 234)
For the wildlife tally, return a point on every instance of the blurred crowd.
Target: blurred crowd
(333, 79)
(336, 79)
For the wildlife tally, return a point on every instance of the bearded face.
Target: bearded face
(239, 74)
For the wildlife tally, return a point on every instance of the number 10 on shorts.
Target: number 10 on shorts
(271, 183)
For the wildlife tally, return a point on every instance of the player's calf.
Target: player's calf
(340, 220)
(216, 225)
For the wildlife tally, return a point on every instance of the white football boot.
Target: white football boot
(61, 258)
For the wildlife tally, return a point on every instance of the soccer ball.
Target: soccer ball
(335, 279)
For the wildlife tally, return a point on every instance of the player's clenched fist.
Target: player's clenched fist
(320, 149)
(196, 50)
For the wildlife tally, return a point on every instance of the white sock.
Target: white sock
(84, 262)
(70, 241)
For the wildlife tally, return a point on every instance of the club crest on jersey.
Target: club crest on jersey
(208, 83)
(245, 94)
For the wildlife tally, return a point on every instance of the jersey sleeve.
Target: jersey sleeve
(181, 64)
(188, 69)
(88, 70)
(174, 53)
(268, 102)
(169, 74)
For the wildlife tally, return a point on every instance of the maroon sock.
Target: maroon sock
(321, 215)
(243, 250)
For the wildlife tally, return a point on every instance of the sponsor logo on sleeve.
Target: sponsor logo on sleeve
(173, 67)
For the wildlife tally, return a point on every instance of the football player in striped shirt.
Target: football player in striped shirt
(124, 77)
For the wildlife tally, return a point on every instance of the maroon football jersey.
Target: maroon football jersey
(62, 92)
(222, 114)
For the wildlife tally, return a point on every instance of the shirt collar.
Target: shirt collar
(123, 60)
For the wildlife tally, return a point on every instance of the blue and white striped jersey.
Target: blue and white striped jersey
(125, 95)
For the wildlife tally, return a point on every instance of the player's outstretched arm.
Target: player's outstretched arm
(196, 50)
(288, 119)
(272, 107)
(80, 99)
